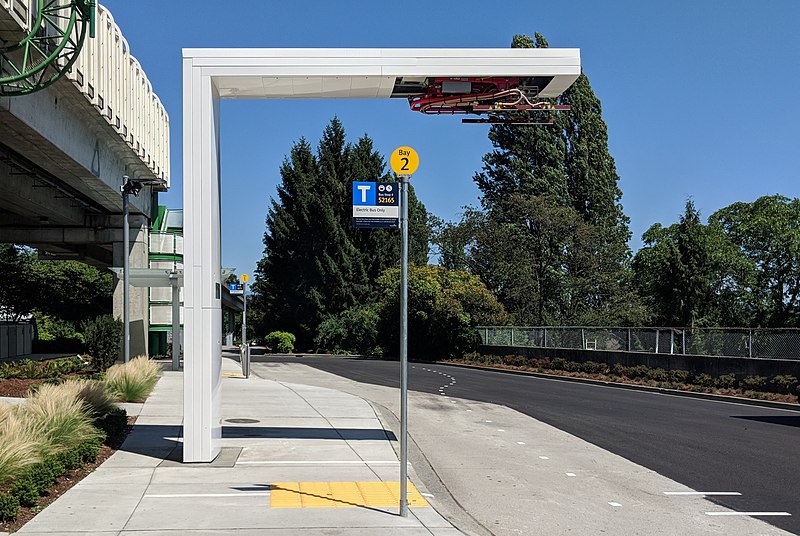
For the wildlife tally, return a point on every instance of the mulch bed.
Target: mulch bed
(16, 387)
(64, 483)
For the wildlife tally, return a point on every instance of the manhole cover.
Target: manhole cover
(242, 421)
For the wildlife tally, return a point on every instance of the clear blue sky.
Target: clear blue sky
(700, 98)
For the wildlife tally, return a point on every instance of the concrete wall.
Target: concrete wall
(15, 339)
(139, 296)
(715, 366)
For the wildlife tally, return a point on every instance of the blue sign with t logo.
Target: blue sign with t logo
(376, 205)
(364, 194)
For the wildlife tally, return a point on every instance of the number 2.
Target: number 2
(405, 164)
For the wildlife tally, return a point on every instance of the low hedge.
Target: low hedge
(39, 477)
(781, 384)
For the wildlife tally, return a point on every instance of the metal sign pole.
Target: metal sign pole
(245, 349)
(404, 347)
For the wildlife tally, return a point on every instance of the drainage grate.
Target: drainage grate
(242, 421)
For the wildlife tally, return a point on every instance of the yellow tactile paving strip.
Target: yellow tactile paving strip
(233, 374)
(341, 495)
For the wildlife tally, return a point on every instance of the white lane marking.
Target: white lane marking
(500, 430)
(469, 410)
(614, 503)
(748, 514)
(317, 462)
(487, 421)
(427, 494)
(520, 442)
(570, 474)
(238, 494)
(701, 493)
(543, 458)
(453, 401)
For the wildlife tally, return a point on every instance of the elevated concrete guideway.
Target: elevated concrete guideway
(64, 151)
(213, 74)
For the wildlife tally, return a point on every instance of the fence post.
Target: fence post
(683, 341)
(671, 341)
(545, 338)
(749, 343)
(658, 336)
(512, 335)
(583, 339)
(629, 342)
(486, 336)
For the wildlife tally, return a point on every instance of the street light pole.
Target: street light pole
(126, 321)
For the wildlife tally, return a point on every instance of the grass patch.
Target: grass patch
(134, 381)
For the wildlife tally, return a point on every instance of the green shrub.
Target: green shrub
(26, 491)
(133, 381)
(354, 330)
(514, 360)
(559, 363)
(658, 374)
(71, 459)
(103, 337)
(784, 383)
(443, 308)
(113, 422)
(280, 341)
(9, 507)
(726, 381)
(703, 380)
(754, 383)
(678, 376)
(618, 369)
(88, 450)
(592, 367)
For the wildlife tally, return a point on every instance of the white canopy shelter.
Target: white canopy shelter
(213, 74)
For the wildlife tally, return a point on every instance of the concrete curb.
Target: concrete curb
(632, 387)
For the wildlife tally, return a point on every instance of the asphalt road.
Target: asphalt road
(706, 445)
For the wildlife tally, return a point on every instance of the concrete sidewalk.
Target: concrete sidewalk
(296, 460)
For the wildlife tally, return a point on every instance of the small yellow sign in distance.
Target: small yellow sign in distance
(404, 161)
(244, 278)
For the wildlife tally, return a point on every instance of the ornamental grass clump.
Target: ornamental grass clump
(99, 401)
(134, 381)
(60, 418)
(19, 447)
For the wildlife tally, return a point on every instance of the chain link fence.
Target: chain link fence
(728, 342)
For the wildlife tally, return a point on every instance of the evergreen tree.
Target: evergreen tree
(315, 264)
(565, 169)
(691, 274)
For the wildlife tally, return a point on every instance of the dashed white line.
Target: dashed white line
(700, 493)
(615, 504)
(748, 514)
(520, 442)
(570, 474)
(487, 421)
(543, 458)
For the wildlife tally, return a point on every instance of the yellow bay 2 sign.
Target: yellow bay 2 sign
(404, 161)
